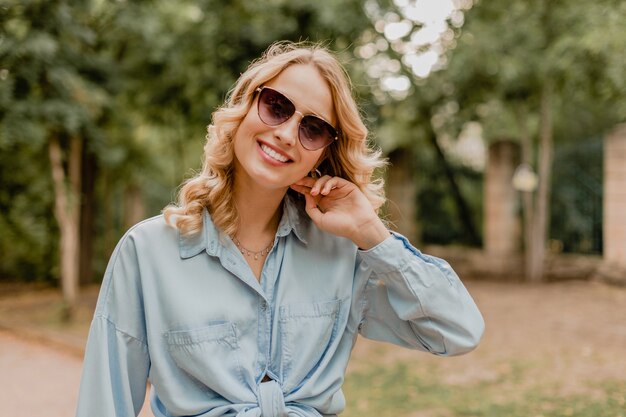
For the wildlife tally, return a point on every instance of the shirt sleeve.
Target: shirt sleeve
(416, 300)
(116, 365)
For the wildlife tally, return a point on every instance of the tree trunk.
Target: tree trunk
(107, 214)
(527, 197)
(87, 216)
(542, 202)
(66, 208)
(134, 208)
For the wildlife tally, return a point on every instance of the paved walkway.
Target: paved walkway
(40, 355)
(38, 380)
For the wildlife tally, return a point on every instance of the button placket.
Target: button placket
(266, 304)
(264, 336)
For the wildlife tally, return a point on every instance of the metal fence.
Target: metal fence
(576, 200)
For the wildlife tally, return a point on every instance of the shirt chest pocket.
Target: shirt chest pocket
(209, 354)
(307, 333)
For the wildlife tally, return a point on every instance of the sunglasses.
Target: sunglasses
(275, 109)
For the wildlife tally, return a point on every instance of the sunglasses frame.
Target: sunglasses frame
(260, 89)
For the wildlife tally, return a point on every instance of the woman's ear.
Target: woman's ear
(315, 173)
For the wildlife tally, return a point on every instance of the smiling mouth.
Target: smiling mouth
(273, 154)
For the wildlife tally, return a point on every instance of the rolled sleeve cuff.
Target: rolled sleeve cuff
(389, 255)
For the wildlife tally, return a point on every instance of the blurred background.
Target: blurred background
(503, 123)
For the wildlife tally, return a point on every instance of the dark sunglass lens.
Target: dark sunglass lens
(315, 133)
(274, 108)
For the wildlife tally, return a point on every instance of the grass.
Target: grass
(398, 391)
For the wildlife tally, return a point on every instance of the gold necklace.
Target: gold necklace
(248, 252)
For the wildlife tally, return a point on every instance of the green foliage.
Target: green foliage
(576, 199)
(580, 47)
(28, 238)
(494, 72)
(437, 213)
(137, 82)
(507, 51)
(49, 85)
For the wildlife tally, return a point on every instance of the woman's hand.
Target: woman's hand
(338, 206)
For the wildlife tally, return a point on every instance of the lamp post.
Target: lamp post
(526, 181)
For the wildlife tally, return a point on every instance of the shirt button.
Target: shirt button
(263, 305)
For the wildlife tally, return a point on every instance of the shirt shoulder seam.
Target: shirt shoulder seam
(118, 330)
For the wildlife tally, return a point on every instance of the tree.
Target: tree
(550, 78)
(412, 95)
(122, 92)
(532, 70)
(52, 98)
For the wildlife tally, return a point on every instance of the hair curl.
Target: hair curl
(349, 157)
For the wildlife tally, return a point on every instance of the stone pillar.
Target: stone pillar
(614, 219)
(402, 193)
(502, 228)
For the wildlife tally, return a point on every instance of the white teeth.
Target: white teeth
(273, 154)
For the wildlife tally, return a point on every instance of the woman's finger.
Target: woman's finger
(319, 184)
(312, 209)
(302, 189)
(331, 184)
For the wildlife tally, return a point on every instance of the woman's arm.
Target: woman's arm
(116, 366)
(417, 301)
(411, 299)
(115, 373)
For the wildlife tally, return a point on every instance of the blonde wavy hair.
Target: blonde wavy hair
(349, 157)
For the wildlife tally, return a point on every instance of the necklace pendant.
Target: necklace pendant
(246, 252)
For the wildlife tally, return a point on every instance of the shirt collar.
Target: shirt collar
(294, 218)
(208, 239)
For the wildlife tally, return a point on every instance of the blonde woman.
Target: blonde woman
(246, 297)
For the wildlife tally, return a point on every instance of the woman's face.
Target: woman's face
(272, 157)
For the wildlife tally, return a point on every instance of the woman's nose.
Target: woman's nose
(288, 131)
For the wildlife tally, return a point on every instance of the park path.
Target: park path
(37, 380)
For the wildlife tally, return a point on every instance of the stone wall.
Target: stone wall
(614, 218)
(502, 227)
(475, 263)
(402, 193)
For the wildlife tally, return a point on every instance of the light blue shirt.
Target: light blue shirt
(188, 314)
